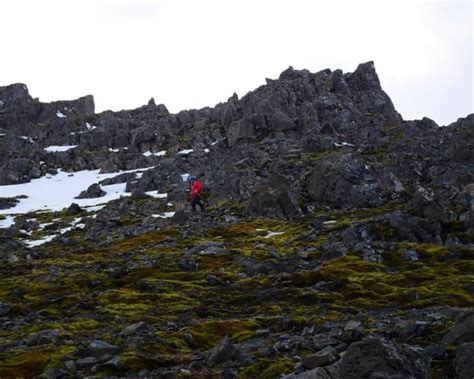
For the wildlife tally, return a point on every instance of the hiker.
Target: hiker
(196, 194)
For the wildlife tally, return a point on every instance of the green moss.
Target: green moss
(143, 240)
(81, 325)
(22, 364)
(171, 343)
(208, 334)
(135, 362)
(126, 221)
(267, 369)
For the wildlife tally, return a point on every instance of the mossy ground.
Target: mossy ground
(89, 291)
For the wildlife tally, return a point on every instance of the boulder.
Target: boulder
(73, 209)
(273, 199)
(376, 357)
(323, 357)
(462, 331)
(44, 337)
(464, 361)
(423, 204)
(280, 122)
(99, 349)
(222, 352)
(240, 130)
(344, 181)
(92, 192)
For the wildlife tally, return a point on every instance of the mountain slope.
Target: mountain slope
(337, 235)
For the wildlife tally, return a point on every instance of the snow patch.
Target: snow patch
(207, 150)
(157, 195)
(27, 139)
(271, 234)
(216, 142)
(57, 149)
(343, 144)
(186, 152)
(33, 243)
(7, 222)
(60, 115)
(90, 126)
(164, 215)
(55, 192)
(158, 154)
(185, 177)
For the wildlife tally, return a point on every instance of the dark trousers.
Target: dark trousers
(196, 200)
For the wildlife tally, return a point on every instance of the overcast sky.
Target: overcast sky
(196, 53)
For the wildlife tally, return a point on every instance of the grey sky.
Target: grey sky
(191, 54)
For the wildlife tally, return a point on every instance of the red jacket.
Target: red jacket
(196, 189)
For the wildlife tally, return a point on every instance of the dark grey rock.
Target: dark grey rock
(8, 202)
(462, 331)
(44, 337)
(73, 209)
(436, 351)
(87, 361)
(136, 328)
(322, 358)
(240, 130)
(138, 194)
(214, 280)
(92, 192)
(188, 264)
(274, 199)
(262, 333)
(4, 309)
(98, 349)
(379, 358)
(55, 373)
(410, 255)
(222, 352)
(464, 361)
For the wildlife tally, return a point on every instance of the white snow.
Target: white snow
(7, 222)
(27, 138)
(158, 154)
(74, 225)
(58, 191)
(60, 115)
(114, 150)
(164, 215)
(90, 126)
(343, 144)
(185, 177)
(186, 152)
(329, 222)
(33, 243)
(56, 148)
(270, 234)
(207, 150)
(42, 226)
(216, 142)
(157, 195)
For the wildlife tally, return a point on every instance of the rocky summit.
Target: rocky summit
(337, 240)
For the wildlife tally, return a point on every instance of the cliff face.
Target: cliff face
(333, 226)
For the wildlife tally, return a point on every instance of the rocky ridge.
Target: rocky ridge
(338, 241)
